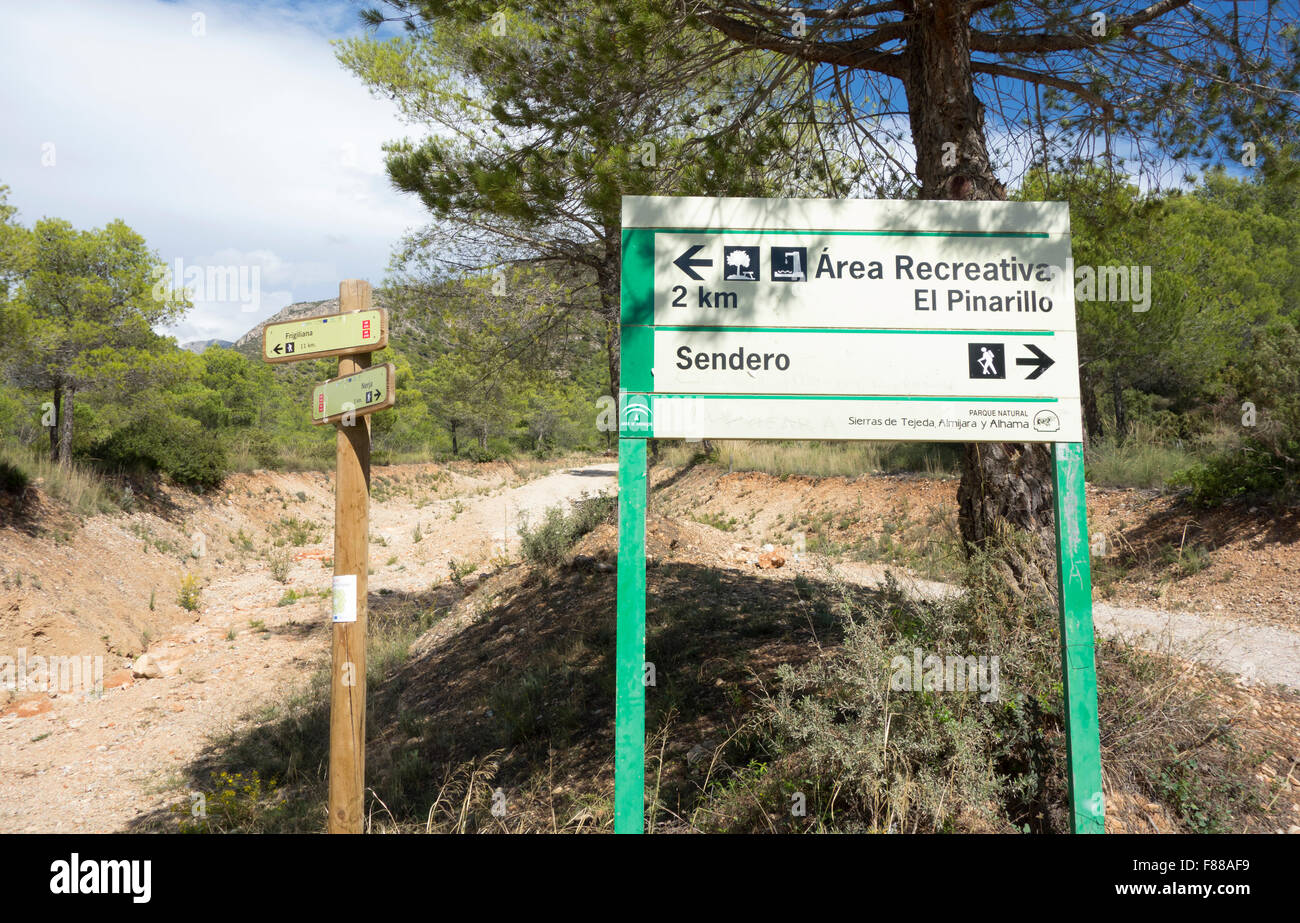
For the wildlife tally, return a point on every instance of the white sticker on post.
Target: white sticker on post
(345, 598)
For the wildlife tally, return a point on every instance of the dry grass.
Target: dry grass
(83, 489)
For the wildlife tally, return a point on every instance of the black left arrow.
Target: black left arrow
(277, 349)
(1040, 359)
(687, 264)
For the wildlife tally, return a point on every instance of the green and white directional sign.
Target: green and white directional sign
(848, 319)
(360, 393)
(325, 335)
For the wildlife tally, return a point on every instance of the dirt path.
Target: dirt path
(1234, 610)
(1256, 653)
(91, 764)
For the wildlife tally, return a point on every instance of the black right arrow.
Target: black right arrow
(687, 265)
(1040, 359)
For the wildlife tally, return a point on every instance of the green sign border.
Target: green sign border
(1074, 584)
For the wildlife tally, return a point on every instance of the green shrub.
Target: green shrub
(477, 453)
(549, 543)
(295, 531)
(868, 756)
(873, 758)
(13, 480)
(1247, 471)
(1265, 463)
(177, 446)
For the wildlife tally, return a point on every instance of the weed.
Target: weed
(549, 543)
(235, 803)
(278, 561)
(190, 589)
(717, 521)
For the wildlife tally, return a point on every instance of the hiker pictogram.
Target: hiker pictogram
(987, 360)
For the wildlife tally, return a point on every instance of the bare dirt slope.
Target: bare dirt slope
(74, 762)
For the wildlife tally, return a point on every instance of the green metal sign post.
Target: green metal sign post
(1078, 660)
(850, 319)
(629, 704)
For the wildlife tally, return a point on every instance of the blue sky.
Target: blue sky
(244, 145)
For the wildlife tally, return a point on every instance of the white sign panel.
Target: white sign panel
(865, 279)
(848, 319)
(875, 362)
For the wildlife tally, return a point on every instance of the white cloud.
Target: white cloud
(247, 145)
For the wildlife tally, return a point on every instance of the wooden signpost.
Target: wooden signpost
(850, 319)
(346, 401)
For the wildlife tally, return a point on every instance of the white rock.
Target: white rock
(148, 666)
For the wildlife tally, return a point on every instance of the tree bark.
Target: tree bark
(54, 430)
(65, 427)
(1005, 487)
(1093, 427)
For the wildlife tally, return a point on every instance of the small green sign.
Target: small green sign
(326, 335)
(359, 393)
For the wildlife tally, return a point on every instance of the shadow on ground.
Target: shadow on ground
(524, 694)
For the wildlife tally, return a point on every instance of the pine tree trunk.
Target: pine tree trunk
(1093, 428)
(1005, 487)
(54, 430)
(65, 427)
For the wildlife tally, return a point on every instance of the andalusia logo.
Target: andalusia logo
(637, 416)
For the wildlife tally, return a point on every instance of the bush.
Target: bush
(1266, 461)
(477, 453)
(549, 543)
(869, 757)
(1249, 470)
(13, 480)
(235, 804)
(177, 446)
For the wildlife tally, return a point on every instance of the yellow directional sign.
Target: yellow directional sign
(326, 335)
(360, 393)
